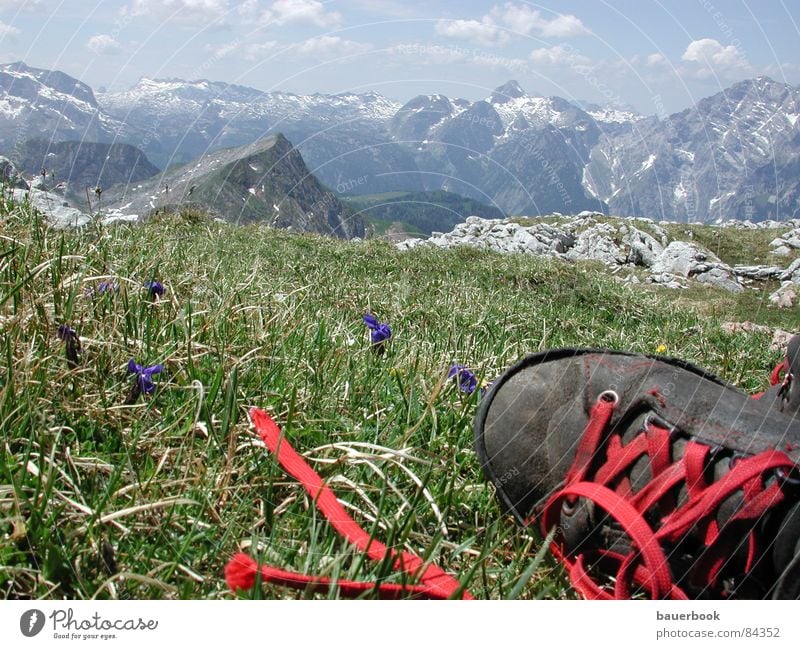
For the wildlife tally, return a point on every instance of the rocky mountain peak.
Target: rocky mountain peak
(264, 182)
(419, 115)
(21, 80)
(505, 93)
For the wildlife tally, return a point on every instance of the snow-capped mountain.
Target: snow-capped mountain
(52, 105)
(525, 153)
(181, 120)
(732, 154)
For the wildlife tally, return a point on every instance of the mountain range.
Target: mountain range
(734, 154)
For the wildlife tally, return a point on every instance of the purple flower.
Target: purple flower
(72, 344)
(144, 381)
(65, 333)
(102, 288)
(380, 332)
(155, 288)
(467, 381)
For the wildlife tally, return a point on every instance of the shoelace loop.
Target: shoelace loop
(600, 474)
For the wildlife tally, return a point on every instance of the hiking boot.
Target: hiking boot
(656, 478)
(784, 395)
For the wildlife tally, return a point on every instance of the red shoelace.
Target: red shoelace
(242, 570)
(646, 566)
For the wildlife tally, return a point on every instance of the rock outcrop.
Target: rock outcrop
(689, 260)
(614, 243)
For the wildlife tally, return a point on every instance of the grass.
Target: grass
(383, 227)
(100, 498)
(734, 246)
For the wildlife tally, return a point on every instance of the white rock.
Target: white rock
(668, 280)
(758, 272)
(792, 272)
(644, 249)
(596, 243)
(786, 296)
(692, 261)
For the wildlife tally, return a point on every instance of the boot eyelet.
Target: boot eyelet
(652, 419)
(608, 396)
(790, 478)
(569, 506)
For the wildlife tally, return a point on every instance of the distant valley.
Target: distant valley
(398, 213)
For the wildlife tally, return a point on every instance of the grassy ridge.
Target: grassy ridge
(103, 498)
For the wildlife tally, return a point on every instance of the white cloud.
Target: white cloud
(250, 9)
(187, 12)
(715, 58)
(524, 20)
(428, 53)
(559, 55)
(656, 60)
(330, 47)
(393, 8)
(483, 31)
(103, 44)
(497, 27)
(8, 31)
(257, 51)
(245, 51)
(22, 5)
(564, 26)
(310, 12)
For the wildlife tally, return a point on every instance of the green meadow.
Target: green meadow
(106, 493)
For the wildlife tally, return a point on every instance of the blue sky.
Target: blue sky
(658, 57)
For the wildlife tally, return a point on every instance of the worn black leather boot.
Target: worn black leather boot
(659, 479)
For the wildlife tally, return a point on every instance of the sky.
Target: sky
(657, 57)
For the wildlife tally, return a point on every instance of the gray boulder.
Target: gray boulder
(667, 280)
(758, 272)
(596, 243)
(643, 249)
(58, 214)
(792, 272)
(690, 260)
(786, 296)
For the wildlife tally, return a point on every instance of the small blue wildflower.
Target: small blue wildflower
(72, 344)
(155, 288)
(111, 287)
(380, 332)
(467, 381)
(144, 380)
